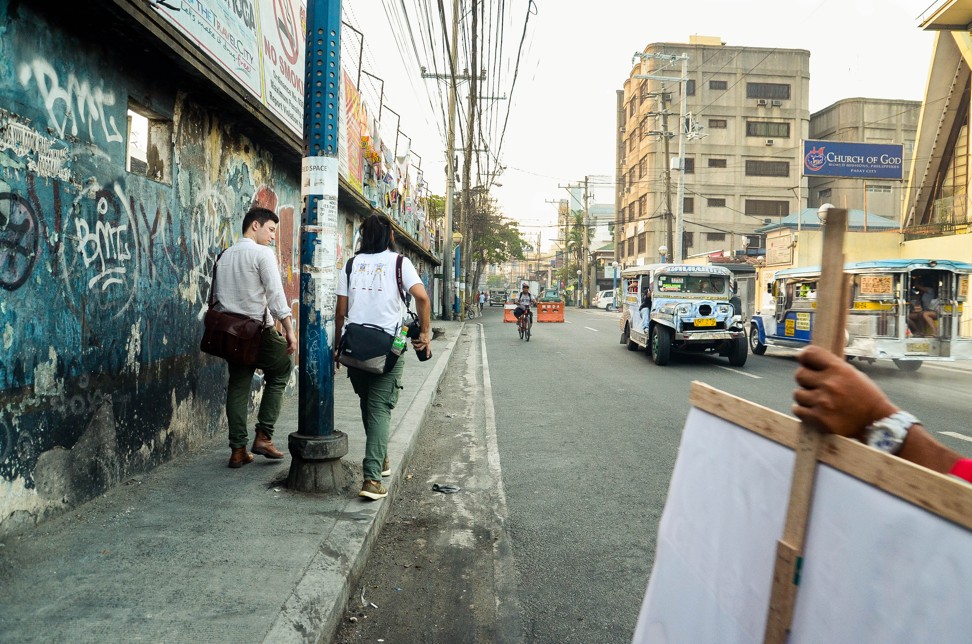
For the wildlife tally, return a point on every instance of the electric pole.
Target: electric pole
(666, 136)
(466, 227)
(447, 250)
(584, 248)
(667, 61)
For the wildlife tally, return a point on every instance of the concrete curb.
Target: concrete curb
(315, 608)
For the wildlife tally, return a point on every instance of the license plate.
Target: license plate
(918, 347)
(705, 322)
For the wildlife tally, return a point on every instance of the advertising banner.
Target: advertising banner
(852, 160)
(283, 26)
(227, 32)
(260, 43)
(355, 116)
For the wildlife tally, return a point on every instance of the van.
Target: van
(604, 300)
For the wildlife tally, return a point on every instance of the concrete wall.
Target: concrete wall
(104, 274)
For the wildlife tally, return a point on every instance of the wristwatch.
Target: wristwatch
(888, 434)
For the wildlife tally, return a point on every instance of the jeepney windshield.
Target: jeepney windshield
(703, 284)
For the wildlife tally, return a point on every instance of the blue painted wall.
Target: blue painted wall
(104, 274)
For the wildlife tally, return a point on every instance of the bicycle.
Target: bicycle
(524, 323)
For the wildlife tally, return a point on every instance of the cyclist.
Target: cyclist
(525, 300)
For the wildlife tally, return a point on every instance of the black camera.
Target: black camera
(411, 321)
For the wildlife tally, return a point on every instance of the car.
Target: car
(604, 300)
(497, 297)
(550, 295)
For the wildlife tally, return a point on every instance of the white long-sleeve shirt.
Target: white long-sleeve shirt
(248, 282)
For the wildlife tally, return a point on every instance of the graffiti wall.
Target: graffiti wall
(105, 268)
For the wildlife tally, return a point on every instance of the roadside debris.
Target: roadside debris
(445, 489)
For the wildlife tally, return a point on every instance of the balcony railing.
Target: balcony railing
(950, 216)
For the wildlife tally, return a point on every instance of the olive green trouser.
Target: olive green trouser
(276, 364)
(378, 394)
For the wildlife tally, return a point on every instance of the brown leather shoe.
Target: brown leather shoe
(263, 445)
(240, 457)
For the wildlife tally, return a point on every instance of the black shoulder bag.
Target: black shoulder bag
(368, 347)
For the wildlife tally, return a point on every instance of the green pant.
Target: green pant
(276, 364)
(378, 394)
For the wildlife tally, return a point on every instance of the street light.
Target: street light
(579, 299)
(663, 251)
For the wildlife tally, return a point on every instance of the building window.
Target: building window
(688, 205)
(631, 245)
(718, 84)
(824, 194)
(717, 124)
(879, 187)
(779, 91)
(642, 242)
(689, 165)
(767, 208)
(688, 239)
(643, 205)
(717, 163)
(768, 129)
(715, 203)
(715, 237)
(149, 144)
(643, 167)
(767, 168)
(690, 88)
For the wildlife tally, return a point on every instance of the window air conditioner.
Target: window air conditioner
(777, 103)
(769, 141)
(761, 102)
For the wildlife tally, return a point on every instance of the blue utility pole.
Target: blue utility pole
(316, 447)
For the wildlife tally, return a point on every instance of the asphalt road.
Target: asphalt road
(586, 434)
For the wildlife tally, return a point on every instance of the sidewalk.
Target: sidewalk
(197, 552)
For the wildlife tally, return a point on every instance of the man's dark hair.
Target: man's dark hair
(376, 235)
(259, 215)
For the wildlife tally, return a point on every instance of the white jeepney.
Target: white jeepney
(693, 309)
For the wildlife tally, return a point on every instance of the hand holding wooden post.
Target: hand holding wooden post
(828, 332)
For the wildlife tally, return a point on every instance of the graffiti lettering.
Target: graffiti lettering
(106, 246)
(19, 241)
(76, 102)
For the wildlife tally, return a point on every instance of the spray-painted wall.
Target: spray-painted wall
(104, 274)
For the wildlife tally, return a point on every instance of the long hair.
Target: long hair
(376, 235)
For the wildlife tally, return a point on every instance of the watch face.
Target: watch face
(884, 439)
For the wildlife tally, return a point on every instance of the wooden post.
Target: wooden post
(830, 320)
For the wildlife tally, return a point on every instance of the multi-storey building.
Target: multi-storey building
(866, 120)
(750, 106)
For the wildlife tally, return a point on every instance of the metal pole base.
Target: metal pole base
(315, 464)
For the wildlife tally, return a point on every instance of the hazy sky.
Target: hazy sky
(562, 121)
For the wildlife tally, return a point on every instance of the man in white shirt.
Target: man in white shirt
(248, 282)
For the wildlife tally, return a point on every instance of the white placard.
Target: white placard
(876, 568)
(717, 538)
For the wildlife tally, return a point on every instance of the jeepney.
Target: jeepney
(885, 320)
(693, 309)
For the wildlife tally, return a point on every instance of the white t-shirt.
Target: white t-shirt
(373, 296)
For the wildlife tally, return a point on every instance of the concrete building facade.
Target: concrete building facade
(751, 107)
(865, 120)
(126, 164)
